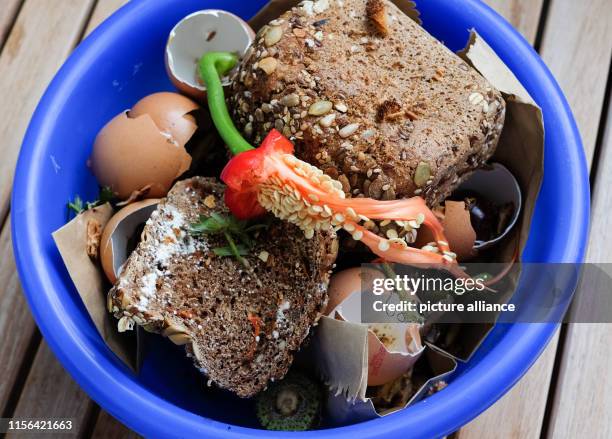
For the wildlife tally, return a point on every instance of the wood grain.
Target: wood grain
(108, 427)
(577, 46)
(43, 35)
(7, 16)
(51, 393)
(16, 324)
(523, 14)
(583, 400)
(103, 9)
(48, 390)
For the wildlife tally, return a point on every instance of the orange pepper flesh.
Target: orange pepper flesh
(271, 178)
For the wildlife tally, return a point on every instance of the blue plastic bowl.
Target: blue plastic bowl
(121, 62)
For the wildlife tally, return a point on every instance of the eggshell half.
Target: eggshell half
(131, 153)
(209, 30)
(387, 359)
(117, 232)
(170, 112)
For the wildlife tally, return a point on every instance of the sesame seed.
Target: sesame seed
(392, 234)
(341, 107)
(385, 223)
(383, 245)
(448, 258)
(443, 243)
(349, 227)
(413, 224)
(358, 235)
(421, 219)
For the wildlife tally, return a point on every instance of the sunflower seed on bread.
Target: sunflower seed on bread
(400, 98)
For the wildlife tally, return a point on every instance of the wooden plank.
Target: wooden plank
(51, 393)
(583, 402)
(577, 46)
(108, 427)
(7, 16)
(42, 37)
(523, 14)
(103, 9)
(16, 324)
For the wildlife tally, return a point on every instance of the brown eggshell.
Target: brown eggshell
(130, 154)
(346, 282)
(385, 363)
(120, 228)
(169, 112)
(457, 228)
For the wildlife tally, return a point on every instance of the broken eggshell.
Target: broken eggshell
(392, 347)
(209, 30)
(458, 229)
(455, 219)
(117, 233)
(143, 150)
(498, 186)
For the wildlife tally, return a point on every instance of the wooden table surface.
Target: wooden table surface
(566, 394)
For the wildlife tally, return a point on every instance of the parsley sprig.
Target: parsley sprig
(77, 205)
(237, 233)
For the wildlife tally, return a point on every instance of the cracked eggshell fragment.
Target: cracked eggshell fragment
(171, 114)
(117, 233)
(393, 348)
(209, 30)
(143, 150)
(458, 229)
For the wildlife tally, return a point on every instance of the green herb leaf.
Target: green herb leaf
(237, 233)
(227, 251)
(106, 195)
(76, 205)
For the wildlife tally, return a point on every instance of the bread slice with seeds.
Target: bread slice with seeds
(240, 325)
(368, 96)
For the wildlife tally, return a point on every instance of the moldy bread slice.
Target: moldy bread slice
(241, 325)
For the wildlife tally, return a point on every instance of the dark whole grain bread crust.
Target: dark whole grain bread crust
(402, 102)
(241, 325)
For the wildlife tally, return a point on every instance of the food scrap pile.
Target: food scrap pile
(351, 132)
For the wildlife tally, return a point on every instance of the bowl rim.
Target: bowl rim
(151, 415)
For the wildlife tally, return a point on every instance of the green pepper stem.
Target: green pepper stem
(212, 66)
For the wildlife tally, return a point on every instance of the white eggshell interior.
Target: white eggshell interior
(499, 186)
(201, 32)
